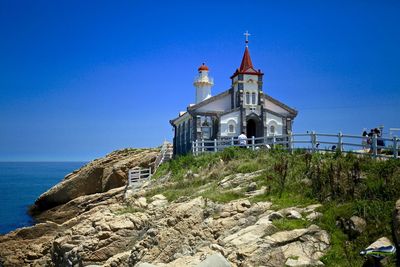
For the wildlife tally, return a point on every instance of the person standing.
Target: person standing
(242, 140)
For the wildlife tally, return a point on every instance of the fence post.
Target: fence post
(273, 140)
(197, 147)
(395, 151)
(253, 143)
(375, 145)
(313, 143)
(193, 142)
(215, 145)
(129, 178)
(289, 143)
(232, 142)
(202, 145)
(340, 142)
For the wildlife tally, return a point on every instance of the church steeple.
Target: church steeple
(246, 61)
(246, 67)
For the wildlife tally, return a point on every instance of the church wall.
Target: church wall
(230, 119)
(222, 104)
(276, 122)
(275, 108)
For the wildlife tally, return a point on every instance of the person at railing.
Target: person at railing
(242, 140)
(380, 143)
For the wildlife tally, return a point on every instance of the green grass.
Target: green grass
(221, 197)
(345, 184)
(285, 224)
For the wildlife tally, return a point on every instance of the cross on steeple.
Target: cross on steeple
(247, 34)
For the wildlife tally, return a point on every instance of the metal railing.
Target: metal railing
(375, 146)
(138, 175)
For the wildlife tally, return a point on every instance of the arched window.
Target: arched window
(231, 128)
(247, 98)
(272, 129)
(253, 98)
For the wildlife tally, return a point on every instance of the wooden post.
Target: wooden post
(395, 151)
(340, 142)
(253, 143)
(215, 145)
(375, 145)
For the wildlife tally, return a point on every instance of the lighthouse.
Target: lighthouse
(203, 84)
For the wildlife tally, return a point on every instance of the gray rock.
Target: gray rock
(358, 224)
(275, 216)
(293, 214)
(314, 216)
(215, 260)
(252, 187)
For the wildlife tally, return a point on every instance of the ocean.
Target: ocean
(21, 183)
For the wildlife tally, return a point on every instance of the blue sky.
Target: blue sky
(79, 79)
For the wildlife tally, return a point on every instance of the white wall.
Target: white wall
(230, 118)
(274, 120)
(222, 104)
(274, 107)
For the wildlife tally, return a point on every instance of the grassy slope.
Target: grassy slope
(347, 185)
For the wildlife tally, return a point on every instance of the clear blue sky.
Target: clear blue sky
(79, 79)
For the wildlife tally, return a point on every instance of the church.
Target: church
(244, 107)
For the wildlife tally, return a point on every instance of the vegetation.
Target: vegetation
(345, 184)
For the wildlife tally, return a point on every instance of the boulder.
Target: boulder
(97, 176)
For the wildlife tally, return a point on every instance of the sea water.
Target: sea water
(21, 183)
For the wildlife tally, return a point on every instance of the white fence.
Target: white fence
(165, 154)
(374, 146)
(138, 175)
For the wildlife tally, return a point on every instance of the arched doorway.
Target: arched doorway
(251, 128)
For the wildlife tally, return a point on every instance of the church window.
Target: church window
(231, 128)
(272, 129)
(253, 98)
(247, 98)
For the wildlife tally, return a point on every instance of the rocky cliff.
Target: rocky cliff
(204, 211)
(98, 176)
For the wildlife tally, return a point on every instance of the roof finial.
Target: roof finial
(247, 34)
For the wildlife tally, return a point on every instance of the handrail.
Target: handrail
(313, 142)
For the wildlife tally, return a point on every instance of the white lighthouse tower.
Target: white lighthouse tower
(203, 84)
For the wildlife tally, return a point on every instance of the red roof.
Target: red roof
(203, 67)
(246, 61)
(246, 67)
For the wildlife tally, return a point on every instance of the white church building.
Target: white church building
(244, 107)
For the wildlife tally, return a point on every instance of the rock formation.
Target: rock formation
(98, 176)
(93, 227)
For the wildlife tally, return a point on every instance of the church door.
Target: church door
(251, 128)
